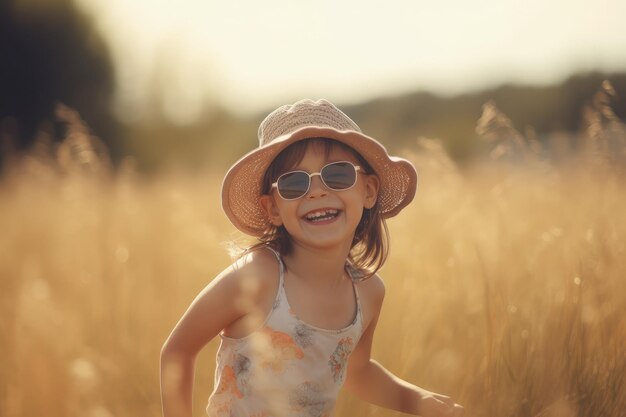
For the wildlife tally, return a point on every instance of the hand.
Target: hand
(437, 405)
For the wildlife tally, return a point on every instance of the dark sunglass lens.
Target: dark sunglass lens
(339, 176)
(293, 185)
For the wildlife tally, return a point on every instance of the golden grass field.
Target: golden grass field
(506, 282)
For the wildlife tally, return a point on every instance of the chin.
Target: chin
(328, 241)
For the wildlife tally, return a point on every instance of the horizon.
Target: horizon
(249, 57)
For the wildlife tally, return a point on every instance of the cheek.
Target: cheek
(287, 210)
(365, 193)
(356, 205)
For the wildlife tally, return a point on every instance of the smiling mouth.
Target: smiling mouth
(319, 216)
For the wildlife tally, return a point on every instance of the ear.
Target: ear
(270, 209)
(372, 184)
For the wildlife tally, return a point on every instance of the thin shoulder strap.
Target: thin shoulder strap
(352, 272)
(281, 266)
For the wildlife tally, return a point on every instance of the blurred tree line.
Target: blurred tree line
(540, 111)
(51, 53)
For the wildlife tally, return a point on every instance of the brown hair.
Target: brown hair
(370, 245)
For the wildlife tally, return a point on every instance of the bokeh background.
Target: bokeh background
(118, 119)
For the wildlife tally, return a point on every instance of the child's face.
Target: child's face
(334, 230)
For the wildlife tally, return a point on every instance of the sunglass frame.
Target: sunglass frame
(357, 169)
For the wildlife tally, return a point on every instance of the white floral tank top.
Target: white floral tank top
(285, 368)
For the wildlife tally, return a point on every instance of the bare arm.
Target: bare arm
(177, 375)
(370, 381)
(210, 312)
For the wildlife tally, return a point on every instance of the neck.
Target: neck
(323, 267)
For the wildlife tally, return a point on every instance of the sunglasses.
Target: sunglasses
(336, 176)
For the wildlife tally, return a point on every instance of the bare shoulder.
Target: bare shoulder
(372, 288)
(237, 293)
(256, 277)
(372, 294)
(259, 262)
(253, 272)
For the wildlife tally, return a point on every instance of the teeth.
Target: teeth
(318, 215)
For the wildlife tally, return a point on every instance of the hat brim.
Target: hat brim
(242, 184)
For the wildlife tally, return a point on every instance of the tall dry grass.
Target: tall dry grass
(506, 284)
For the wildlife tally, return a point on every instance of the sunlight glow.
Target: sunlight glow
(253, 55)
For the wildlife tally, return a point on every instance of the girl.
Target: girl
(296, 313)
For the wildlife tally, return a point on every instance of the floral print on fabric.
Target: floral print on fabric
(307, 400)
(233, 384)
(285, 368)
(303, 335)
(221, 410)
(228, 383)
(339, 358)
(241, 367)
(277, 347)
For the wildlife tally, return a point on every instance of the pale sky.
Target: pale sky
(255, 55)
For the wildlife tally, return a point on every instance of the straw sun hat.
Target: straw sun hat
(305, 119)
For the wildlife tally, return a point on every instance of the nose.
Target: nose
(318, 189)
